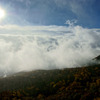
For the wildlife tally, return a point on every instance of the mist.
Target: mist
(26, 48)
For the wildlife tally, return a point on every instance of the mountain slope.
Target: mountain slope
(70, 83)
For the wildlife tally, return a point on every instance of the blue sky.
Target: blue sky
(51, 12)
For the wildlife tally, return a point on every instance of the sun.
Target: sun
(2, 13)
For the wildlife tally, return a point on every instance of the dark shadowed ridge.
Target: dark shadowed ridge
(60, 84)
(97, 58)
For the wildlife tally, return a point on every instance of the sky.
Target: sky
(51, 12)
(48, 34)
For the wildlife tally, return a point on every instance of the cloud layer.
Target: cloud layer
(46, 47)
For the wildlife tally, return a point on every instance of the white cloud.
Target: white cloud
(71, 22)
(46, 47)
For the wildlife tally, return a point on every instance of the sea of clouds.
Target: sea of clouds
(25, 48)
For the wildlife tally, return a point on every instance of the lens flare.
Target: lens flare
(2, 13)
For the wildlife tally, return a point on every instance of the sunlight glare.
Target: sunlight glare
(2, 13)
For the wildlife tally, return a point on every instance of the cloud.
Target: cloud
(71, 22)
(25, 48)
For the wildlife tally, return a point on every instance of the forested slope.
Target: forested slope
(59, 84)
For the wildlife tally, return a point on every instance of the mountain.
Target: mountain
(97, 58)
(59, 84)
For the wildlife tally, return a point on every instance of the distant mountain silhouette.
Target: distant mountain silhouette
(97, 58)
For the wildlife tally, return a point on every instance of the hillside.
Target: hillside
(59, 84)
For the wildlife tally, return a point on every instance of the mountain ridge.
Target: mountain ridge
(70, 83)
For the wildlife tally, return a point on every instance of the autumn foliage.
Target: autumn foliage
(65, 84)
